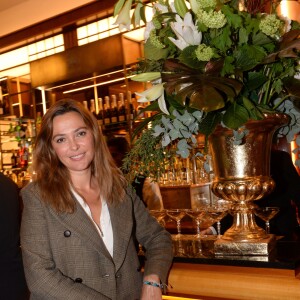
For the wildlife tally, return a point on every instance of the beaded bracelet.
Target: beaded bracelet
(155, 284)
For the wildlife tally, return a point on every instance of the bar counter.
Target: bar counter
(276, 276)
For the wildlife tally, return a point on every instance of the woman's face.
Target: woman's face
(73, 142)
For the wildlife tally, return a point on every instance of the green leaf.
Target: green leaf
(180, 7)
(255, 80)
(178, 125)
(249, 56)
(174, 101)
(118, 6)
(188, 57)
(153, 53)
(228, 67)
(207, 99)
(223, 40)
(243, 36)
(235, 116)
(233, 18)
(143, 125)
(174, 134)
(209, 123)
(260, 39)
(254, 112)
(143, 14)
(149, 76)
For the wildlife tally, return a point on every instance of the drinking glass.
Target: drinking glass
(217, 212)
(266, 214)
(176, 215)
(197, 215)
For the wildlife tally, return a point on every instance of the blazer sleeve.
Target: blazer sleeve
(43, 278)
(155, 239)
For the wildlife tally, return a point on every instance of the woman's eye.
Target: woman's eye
(60, 140)
(81, 133)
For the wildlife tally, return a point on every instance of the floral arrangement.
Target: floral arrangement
(212, 62)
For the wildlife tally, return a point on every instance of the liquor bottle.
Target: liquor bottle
(92, 108)
(13, 159)
(18, 159)
(23, 157)
(100, 112)
(106, 111)
(28, 131)
(85, 104)
(114, 109)
(121, 108)
(1, 102)
(38, 122)
(131, 107)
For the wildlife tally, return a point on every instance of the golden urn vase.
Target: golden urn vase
(242, 175)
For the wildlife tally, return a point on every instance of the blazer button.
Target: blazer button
(78, 280)
(67, 233)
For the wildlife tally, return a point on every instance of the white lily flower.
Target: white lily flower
(161, 8)
(153, 93)
(149, 27)
(123, 19)
(186, 32)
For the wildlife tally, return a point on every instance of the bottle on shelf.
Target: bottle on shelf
(106, 111)
(13, 158)
(23, 153)
(92, 108)
(1, 102)
(38, 122)
(121, 108)
(29, 130)
(100, 112)
(114, 109)
(131, 111)
(85, 104)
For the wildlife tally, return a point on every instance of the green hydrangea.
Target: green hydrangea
(207, 3)
(212, 19)
(155, 41)
(156, 23)
(270, 25)
(204, 53)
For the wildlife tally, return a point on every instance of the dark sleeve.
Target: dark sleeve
(137, 184)
(12, 279)
(285, 176)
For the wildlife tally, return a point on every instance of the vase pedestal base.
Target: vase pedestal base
(260, 247)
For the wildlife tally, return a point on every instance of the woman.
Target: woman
(81, 220)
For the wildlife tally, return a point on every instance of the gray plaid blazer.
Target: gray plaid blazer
(65, 258)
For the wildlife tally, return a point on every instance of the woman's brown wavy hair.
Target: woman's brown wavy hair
(53, 178)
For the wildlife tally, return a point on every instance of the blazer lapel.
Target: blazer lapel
(80, 223)
(121, 220)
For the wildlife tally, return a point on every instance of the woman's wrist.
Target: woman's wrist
(154, 284)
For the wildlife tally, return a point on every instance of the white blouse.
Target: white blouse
(105, 230)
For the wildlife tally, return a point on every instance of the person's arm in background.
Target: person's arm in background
(151, 194)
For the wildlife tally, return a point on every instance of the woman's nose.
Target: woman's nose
(73, 144)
